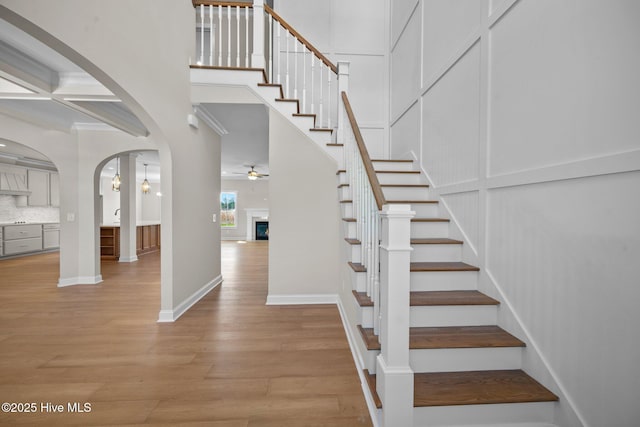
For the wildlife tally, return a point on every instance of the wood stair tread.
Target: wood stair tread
(405, 185)
(321, 130)
(432, 338)
(371, 383)
(440, 298)
(430, 219)
(442, 266)
(436, 241)
(461, 337)
(349, 219)
(411, 202)
(392, 161)
(357, 267)
(343, 185)
(409, 172)
(352, 241)
(477, 388)
(362, 299)
(339, 171)
(334, 145)
(471, 388)
(346, 201)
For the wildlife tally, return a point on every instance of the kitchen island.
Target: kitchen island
(147, 239)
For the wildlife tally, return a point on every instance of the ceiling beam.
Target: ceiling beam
(112, 113)
(25, 71)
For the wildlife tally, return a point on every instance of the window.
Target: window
(228, 202)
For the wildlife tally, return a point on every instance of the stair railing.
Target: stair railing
(368, 200)
(228, 35)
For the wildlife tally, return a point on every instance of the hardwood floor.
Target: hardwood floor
(229, 361)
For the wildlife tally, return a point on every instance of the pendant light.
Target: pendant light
(115, 182)
(145, 183)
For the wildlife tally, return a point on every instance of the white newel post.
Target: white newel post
(394, 375)
(343, 86)
(257, 57)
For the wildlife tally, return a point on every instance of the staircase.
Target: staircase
(465, 369)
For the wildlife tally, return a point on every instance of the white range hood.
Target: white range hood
(13, 184)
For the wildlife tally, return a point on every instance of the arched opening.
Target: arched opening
(128, 183)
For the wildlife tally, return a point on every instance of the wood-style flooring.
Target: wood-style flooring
(230, 361)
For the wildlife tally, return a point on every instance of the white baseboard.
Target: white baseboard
(233, 238)
(359, 361)
(80, 280)
(302, 299)
(173, 315)
(130, 259)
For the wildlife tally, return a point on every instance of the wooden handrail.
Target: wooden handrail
(197, 3)
(366, 160)
(302, 40)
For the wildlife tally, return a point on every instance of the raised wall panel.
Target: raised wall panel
(366, 84)
(405, 134)
(464, 209)
(563, 253)
(367, 33)
(400, 12)
(405, 67)
(447, 26)
(564, 83)
(450, 119)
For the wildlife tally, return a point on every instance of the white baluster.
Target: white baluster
(211, 35)
(270, 47)
(279, 55)
(329, 72)
(201, 59)
(219, 35)
(320, 65)
(286, 76)
(237, 36)
(246, 37)
(295, 68)
(313, 69)
(304, 79)
(228, 36)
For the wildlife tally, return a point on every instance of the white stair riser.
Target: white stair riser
(436, 252)
(399, 178)
(359, 281)
(344, 193)
(425, 210)
(453, 315)
(335, 152)
(465, 359)
(392, 166)
(347, 210)
(429, 229)
(354, 252)
(441, 416)
(366, 317)
(406, 193)
(349, 229)
(342, 178)
(444, 280)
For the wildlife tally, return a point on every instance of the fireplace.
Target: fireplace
(262, 230)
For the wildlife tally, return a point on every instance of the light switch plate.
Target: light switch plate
(71, 217)
(214, 218)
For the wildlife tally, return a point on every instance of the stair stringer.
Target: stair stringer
(533, 361)
(241, 86)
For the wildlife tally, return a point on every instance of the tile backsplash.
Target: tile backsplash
(9, 212)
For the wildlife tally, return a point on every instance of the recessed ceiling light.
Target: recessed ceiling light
(3, 145)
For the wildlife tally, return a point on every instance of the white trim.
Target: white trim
(80, 280)
(210, 120)
(302, 299)
(129, 259)
(359, 361)
(233, 238)
(173, 315)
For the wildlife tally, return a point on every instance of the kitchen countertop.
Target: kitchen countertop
(2, 224)
(138, 224)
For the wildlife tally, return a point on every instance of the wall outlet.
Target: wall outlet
(71, 217)
(214, 218)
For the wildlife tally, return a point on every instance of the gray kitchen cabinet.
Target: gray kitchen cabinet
(38, 182)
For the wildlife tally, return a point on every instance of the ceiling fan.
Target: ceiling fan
(253, 174)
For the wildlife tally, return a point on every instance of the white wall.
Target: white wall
(303, 221)
(356, 32)
(524, 114)
(251, 195)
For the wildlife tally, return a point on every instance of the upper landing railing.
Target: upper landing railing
(228, 35)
